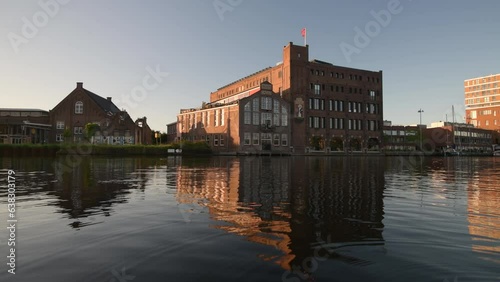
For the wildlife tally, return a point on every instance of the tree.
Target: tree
(67, 135)
(90, 130)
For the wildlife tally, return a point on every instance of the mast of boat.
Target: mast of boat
(459, 142)
(446, 124)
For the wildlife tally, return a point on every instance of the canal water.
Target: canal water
(253, 219)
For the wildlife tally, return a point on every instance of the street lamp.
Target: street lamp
(420, 127)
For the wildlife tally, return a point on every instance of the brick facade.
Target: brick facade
(329, 104)
(256, 123)
(81, 107)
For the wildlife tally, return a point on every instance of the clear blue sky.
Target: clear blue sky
(426, 51)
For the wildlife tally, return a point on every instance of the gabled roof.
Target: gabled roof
(105, 104)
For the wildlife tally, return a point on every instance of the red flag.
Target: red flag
(303, 32)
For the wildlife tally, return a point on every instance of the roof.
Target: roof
(262, 70)
(321, 62)
(105, 104)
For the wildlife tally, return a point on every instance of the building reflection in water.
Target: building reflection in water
(82, 188)
(483, 209)
(292, 208)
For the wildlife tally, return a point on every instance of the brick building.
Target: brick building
(81, 107)
(255, 123)
(459, 136)
(172, 132)
(18, 126)
(332, 107)
(482, 101)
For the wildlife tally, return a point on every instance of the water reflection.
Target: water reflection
(292, 208)
(79, 187)
(483, 209)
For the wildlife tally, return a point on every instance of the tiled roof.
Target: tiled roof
(105, 104)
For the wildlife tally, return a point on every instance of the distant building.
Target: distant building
(331, 107)
(82, 107)
(18, 126)
(459, 136)
(401, 137)
(172, 132)
(143, 133)
(255, 123)
(482, 101)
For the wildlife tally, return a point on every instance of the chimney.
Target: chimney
(109, 98)
(79, 85)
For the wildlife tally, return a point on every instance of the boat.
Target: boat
(451, 152)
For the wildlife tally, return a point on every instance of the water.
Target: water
(254, 219)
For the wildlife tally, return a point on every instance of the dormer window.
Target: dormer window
(79, 107)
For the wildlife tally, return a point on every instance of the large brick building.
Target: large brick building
(255, 123)
(332, 107)
(482, 101)
(82, 107)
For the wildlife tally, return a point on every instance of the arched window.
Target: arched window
(79, 107)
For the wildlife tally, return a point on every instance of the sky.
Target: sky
(156, 57)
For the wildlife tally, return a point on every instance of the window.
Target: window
(255, 138)
(255, 119)
(216, 140)
(222, 117)
(266, 118)
(59, 138)
(317, 89)
(60, 125)
(255, 104)
(284, 117)
(247, 107)
(276, 106)
(267, 103)
(284, 140)
(77, 130)
(276, 140)
(247, 118)
(216, 117)
(372, 94)
(221, 140)
(79, 107)
(246, 138)
(276, 119)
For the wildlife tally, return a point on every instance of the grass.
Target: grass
(188, 148)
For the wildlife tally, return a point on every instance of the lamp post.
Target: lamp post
(420, 127)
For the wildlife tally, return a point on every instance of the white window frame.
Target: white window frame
(78, 107)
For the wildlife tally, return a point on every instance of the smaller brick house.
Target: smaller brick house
(82, 107)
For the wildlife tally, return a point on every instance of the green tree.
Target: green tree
(67, 135)
(90, 130)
